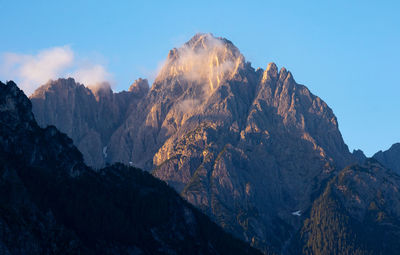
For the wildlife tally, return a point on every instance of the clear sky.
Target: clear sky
(346, 52)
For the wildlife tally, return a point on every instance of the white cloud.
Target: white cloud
(94, 77)
(32, 71)
(188, 105)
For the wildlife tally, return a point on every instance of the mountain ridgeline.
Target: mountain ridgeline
(52, 203)
(390, 158)
(254, 150)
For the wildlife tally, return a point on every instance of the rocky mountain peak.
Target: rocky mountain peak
(390, 158)
(140, 87)
(204, 59)
(15, 110)
(283, 73)
(68, 85)
(394, 147)
(53, 85)
(270, 72)
(89, 116)
(359, 156)
(207, 40)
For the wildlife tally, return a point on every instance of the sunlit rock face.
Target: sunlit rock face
(191, 86)
(247, 147)
(253, 153)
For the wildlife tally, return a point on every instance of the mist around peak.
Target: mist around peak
(205, 60)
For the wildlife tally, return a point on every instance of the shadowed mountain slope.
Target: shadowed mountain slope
(390, 158)
(357, 213)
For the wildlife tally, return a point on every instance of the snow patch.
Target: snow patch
(296, 213)
(105, 151)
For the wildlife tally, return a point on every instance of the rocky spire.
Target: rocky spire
(140, 87)
(270, 73)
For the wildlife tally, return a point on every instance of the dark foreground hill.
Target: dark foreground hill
(52, 203)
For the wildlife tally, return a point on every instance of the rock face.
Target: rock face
(89, 118)
(52, 203)
(390, 158)
(249, 147)
(359, 156)
(357, 213)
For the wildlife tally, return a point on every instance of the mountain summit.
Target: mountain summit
(247, 147)
(205, 60)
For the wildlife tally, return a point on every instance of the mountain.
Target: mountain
(390, 158)
(357, 213)
(248, 147)
(253, 149)
(88, 117)
(52, 203)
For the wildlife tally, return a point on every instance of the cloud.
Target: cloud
(94, 77)
(205, 60)
(188, 105)
(32, 71)
(204, 63)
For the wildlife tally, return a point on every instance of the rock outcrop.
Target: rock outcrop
(52, 203)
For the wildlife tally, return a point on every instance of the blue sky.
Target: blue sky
(346, 52)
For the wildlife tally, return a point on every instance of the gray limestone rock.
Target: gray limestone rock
(89, 118)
